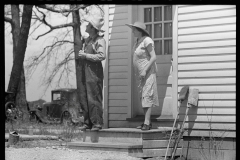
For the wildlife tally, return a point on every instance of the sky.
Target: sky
(34, 90)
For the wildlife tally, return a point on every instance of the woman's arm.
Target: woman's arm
(153, 58)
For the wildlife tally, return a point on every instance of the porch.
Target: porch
(137, 143)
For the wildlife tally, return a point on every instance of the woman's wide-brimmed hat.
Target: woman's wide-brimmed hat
(96, 21)
(139, 25)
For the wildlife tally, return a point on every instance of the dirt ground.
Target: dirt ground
(56, 150)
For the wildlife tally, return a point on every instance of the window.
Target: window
(56, 96)
(158, 20)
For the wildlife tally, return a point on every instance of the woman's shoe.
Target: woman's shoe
(146, 127)
(140, 127)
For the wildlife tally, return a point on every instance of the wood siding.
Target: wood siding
(118, 71)
(207, 61)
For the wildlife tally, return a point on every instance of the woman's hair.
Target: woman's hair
(143, 33)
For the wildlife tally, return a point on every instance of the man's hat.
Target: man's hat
(96, 21)
(139, 25)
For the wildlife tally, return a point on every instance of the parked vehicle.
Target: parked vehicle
(64, 108)
(11, 110)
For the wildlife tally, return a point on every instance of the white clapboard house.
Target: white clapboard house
(195, 46)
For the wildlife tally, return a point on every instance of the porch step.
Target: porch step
(137, 143)
(141, 153)
(154, 148)
(157, 121)
(106, 146)
(125, 135)
(154, 118)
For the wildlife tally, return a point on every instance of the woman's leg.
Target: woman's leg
(147, 113)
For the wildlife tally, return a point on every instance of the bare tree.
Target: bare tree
(59, 56)
(63, 44)
(20, 36)
(61, 67)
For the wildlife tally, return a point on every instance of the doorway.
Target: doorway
(158, 20)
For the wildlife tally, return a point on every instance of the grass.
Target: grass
(214, 149)
(64, 133)
(37, 143)
(210, 147)
(173, 142)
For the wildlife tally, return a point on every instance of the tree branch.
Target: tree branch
(61, 65)
(53, 45)
(35, 29)
(83, 6)
(43, 20)
(43, 34)
(34, 61)
(64, 65)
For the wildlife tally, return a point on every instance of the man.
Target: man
(92, 54)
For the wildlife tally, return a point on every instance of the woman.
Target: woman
(144, 63)
(92, 54)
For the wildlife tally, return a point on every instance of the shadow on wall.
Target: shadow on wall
(164, 81)
(191, 116)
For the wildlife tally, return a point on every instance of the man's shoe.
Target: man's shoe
(146, 127)
(96, 128)
(140, 127)
(84, 127)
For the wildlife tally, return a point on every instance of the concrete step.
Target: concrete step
(154, 118)
(148, 144)
(137, 143)
(106, 146)
(155, 148)
(155, 125)
(134, 150)
(124, 135)
(157, 121)
(154, 152)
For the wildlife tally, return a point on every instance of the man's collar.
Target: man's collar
(94, 37)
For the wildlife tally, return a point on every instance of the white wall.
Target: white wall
(207, 61)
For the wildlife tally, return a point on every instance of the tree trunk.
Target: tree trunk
(21, 45)
(78, 62)
(21, 92)
(21, 100)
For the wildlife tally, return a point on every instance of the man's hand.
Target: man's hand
(81, 54)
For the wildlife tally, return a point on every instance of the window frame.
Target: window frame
(162, 22)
